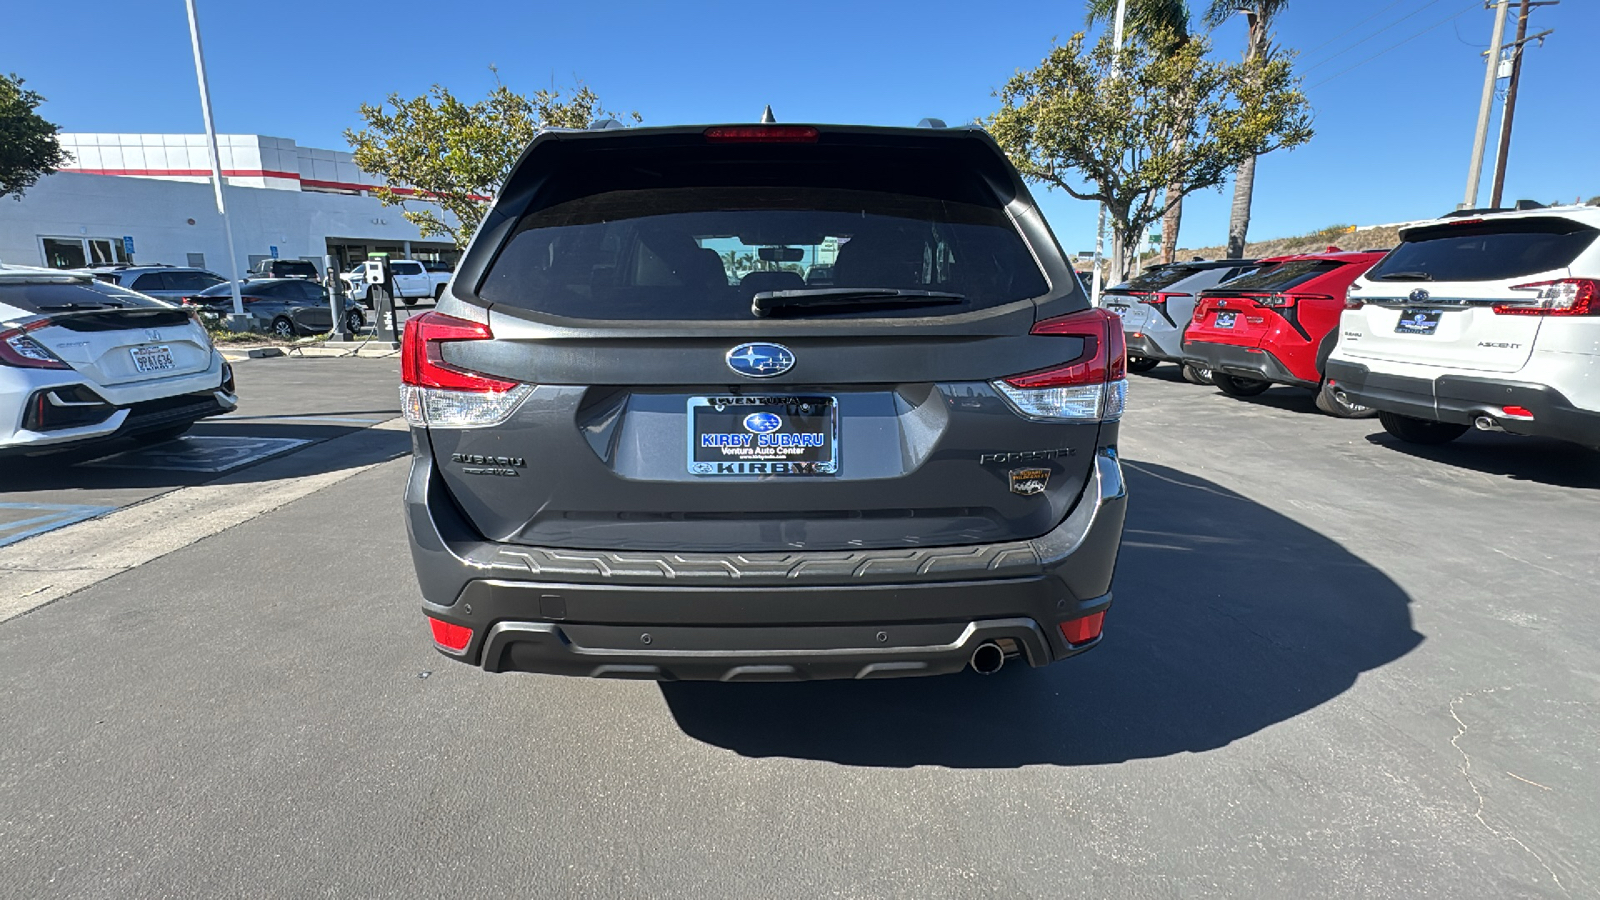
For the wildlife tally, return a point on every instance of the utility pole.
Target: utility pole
(1510, 111)
(1479, 139)
(1100, 228)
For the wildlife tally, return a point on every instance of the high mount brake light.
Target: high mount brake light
(436, 393)
(19, 350)
(1091, 387)
(1565, 297)
(762, 134)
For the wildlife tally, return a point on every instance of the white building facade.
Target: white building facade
(147, 198)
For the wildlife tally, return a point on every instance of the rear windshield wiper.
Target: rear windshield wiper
(1403, 276)
(765, 302)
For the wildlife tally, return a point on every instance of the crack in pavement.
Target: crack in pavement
(1466, 772)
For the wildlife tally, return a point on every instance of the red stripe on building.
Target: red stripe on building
(189, 173)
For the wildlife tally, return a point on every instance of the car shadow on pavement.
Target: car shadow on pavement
(1229, 618)
(1541, 460)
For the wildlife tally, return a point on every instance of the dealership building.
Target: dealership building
(147, 198)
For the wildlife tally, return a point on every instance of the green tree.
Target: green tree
(1164, 25)
(456, 154)
(1259, 15)
(28, 145)
(1161, 119)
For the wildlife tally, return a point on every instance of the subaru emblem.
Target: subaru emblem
(760, 360)
(762, 423)
(1419, 296)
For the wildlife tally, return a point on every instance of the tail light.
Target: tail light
(1091, 387)
(1353, 302)
(450, 636)
(1566, 297)
(1161, 299)
(437, 393)
(762, 134)
(20, 350)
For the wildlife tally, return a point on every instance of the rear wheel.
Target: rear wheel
(354, 320)
(1234, 386)
(283, 327)
(1420, 431)
(409, 301)
(438, 292)
(1196, 374)
(1333, 403)
(1142, 363)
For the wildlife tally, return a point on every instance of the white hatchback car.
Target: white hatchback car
(1156, 306)
(82, 361)
(1480, 319)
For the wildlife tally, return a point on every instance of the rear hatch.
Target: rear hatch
(1132, 298)
(1248, 310)
(1463, 293)
(110, 335)
(753, 344)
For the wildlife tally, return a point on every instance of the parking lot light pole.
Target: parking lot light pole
(1100, 227)
(237, 321)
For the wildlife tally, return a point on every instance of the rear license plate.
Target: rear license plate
(763, 435)
(1418, 321)
(152, 359)
(1118, 309)
(1225, 320)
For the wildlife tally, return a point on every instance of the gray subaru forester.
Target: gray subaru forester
(764, 402)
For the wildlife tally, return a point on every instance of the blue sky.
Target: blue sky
(1393, 132)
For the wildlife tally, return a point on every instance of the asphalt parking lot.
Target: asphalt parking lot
(1336, 666)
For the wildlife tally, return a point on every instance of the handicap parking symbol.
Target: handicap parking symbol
(193, 453)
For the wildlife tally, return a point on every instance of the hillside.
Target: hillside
(1341, 236)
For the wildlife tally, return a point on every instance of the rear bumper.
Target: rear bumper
(127, 410)
(1461, 399)
(1243, 362)
(1145, 344)
(780, 616)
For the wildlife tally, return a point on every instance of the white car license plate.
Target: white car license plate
(1117, 308)
(153, 359)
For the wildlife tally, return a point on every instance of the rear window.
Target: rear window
(696, 238)
(58, 297)
(1282, 276)
(294, 267)
(1154, 279)
(1485, 251)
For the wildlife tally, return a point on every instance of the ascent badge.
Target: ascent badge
(1028, 482)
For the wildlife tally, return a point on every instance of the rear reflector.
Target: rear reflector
(1091, 387)
(454, 637)
(439, 394)
(1516, 412)
(1084, 630)
(762, 134)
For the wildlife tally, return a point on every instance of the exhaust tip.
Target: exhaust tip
(1485, 423)
(988, 658)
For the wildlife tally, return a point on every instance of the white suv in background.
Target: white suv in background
(1480, 319)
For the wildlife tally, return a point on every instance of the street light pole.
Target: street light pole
(238, 321)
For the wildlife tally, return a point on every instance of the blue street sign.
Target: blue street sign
(127, 244)
(273, 250)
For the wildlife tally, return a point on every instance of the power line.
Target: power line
(1454, 15)
(1375, 34)
(1313, 50)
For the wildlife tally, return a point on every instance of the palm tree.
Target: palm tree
(1159, 23)
(1259, 15)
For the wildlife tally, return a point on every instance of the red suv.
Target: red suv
(1277, 325)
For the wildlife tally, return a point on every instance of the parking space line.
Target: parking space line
(56, 516)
